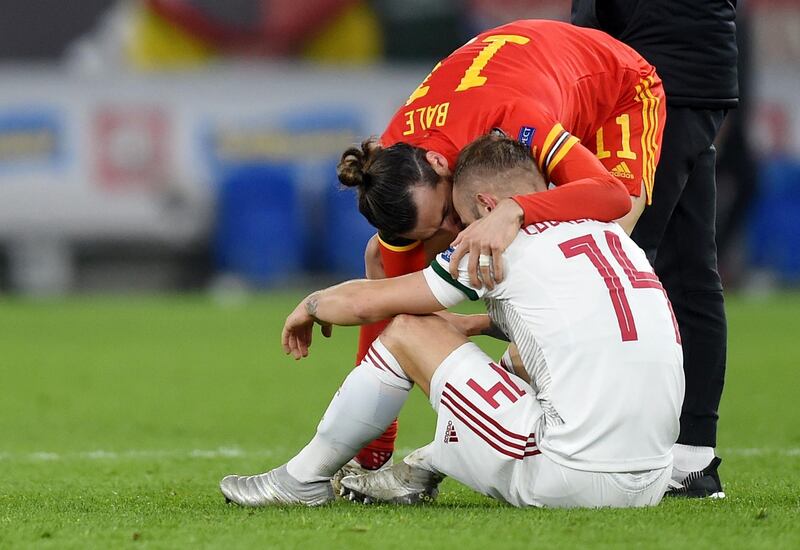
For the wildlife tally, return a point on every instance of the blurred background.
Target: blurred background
(163, 145)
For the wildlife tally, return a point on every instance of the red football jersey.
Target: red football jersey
(549, 85)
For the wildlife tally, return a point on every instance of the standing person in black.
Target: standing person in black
(692, 44)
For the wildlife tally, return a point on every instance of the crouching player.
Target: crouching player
(587, 418)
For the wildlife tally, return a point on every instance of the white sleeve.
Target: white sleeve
(449, 291)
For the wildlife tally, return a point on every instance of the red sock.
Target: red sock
(396, 261)
(378, 453)
(366, 336)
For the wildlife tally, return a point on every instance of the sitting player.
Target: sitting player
(589, 420)
(589, 108)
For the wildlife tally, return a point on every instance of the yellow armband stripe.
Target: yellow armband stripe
(555, 133)
(569, 143)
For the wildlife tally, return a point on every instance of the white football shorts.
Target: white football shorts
(489, 423)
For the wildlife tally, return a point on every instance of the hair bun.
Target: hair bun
(353, 166)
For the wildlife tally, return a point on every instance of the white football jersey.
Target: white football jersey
(598, 338)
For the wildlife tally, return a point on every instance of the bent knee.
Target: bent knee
(401, 329)
(406, 329)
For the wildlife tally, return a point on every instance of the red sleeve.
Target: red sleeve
(584, 188)
(600, 198)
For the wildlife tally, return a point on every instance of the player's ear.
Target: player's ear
(486, 202)
(439, 163)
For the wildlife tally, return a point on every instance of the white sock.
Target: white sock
(689, 458)
(367, 402)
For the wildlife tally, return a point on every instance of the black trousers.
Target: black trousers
(678, 234)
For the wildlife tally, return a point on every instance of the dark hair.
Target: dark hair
(492, 155)
(384, 178)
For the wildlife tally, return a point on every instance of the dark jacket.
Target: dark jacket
(691, 43)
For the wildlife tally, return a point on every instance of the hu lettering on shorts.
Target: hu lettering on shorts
(450, 435)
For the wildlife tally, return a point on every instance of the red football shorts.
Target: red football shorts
(629, 142)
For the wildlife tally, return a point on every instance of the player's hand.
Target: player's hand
(468, 325)
(298, 330)
(489, 236)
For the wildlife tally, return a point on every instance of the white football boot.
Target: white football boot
(275, 488)
(353, 468)
(409, 482)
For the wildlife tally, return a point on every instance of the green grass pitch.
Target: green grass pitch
(118, 417)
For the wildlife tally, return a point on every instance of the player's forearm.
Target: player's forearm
(370, 300)
(343, 305)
